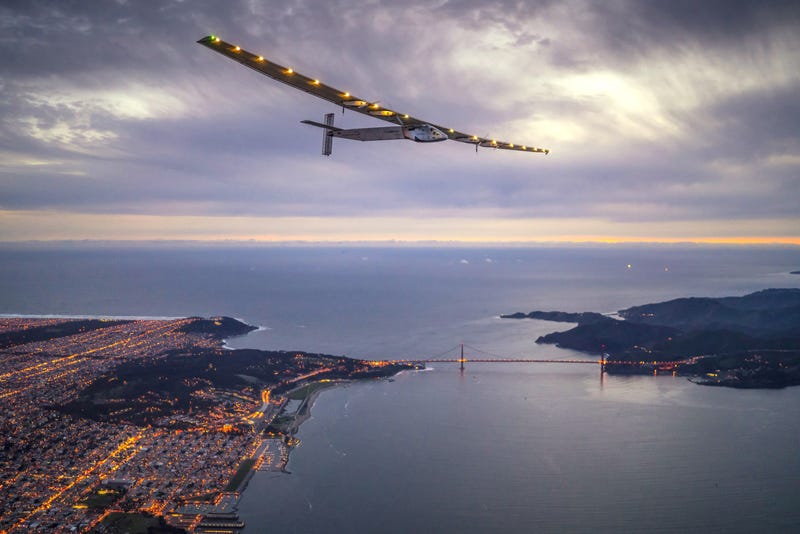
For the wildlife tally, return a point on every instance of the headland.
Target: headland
(752, 341)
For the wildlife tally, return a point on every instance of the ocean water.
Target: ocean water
(501, 447)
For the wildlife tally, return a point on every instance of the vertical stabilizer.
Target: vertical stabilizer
(327, 135)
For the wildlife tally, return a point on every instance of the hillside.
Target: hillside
(748, 341)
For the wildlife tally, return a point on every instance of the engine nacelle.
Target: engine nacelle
(424, 133)
(355, 103)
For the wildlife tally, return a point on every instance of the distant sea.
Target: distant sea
(502, 447)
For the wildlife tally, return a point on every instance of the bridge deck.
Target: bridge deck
(527, 360)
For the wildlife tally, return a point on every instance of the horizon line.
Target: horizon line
(719, 241)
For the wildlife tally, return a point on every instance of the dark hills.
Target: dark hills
(609, 336)
(144, 392)
(559, 317)
(728, 334)
(218, 327)
(770, 313)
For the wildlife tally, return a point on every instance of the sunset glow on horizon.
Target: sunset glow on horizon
(59, 226)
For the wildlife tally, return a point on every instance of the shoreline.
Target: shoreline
(274, 451)
(99, 316)
(303, 413)
(287, 440)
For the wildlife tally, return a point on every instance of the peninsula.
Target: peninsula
(146, 425)
(751, 341)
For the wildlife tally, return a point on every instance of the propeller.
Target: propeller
(478, 142)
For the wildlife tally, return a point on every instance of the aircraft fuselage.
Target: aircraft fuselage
(424, 133)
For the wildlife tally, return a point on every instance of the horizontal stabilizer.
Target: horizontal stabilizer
(320, 125)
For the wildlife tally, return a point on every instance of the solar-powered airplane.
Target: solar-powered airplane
(405, 126)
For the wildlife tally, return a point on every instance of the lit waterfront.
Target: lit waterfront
(53, 460)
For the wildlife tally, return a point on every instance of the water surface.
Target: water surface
(503, 447)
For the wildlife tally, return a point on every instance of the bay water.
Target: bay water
(500, 447)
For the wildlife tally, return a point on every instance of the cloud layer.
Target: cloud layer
(657, 114)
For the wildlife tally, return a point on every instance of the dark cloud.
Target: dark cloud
(634, 27)
(718, 20)
(773, 113)
(111, 107)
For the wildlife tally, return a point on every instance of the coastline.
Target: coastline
(265, 458)
(272, 445)
(101, 317)
(304, 411)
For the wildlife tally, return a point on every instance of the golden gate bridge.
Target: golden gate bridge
(488, 357)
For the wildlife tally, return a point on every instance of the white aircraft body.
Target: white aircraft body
(405, 126)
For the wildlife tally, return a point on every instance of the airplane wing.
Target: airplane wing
(315, 87)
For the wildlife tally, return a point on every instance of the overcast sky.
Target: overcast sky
(667, 120)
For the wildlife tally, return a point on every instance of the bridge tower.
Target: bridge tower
(461, 360)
